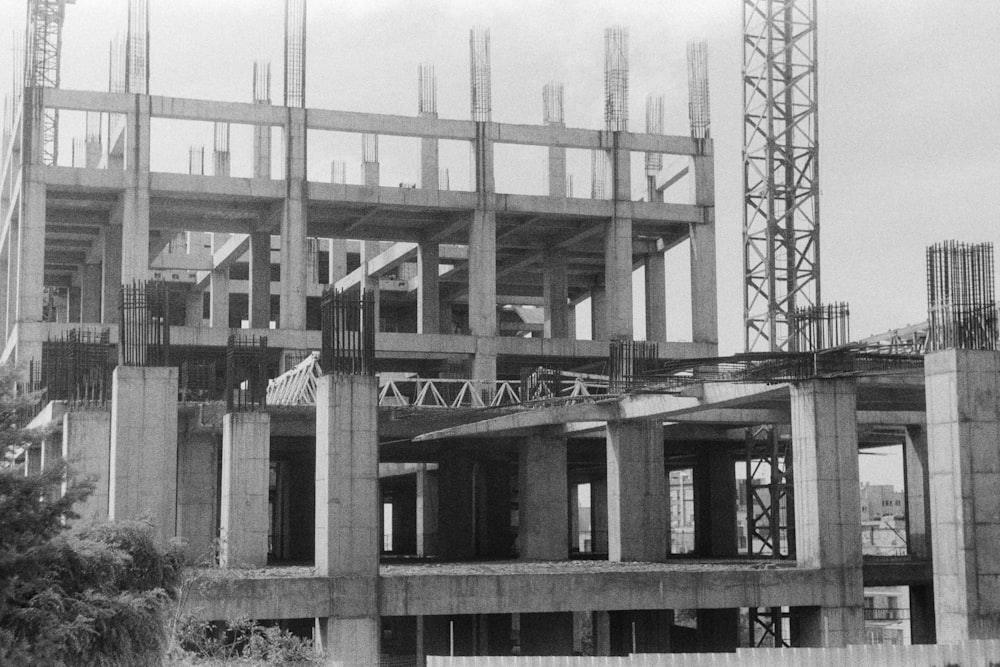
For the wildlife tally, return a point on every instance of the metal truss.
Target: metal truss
(770, 506)
(781, 177)
(769, 627)
(45, 21)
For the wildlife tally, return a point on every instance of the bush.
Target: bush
(240, 641)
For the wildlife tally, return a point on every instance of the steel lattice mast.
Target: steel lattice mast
(780, 167)
(44, 48)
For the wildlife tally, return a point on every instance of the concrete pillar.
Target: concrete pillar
(557, 169)
(922, 629)
(828, 504)
(456, 519)
(243, 522)
(133, 205)
(602, 632)
(546, 633)
(599, 515)
(428, 292)
(483, 258)
(219, 293)
(543, 518)
(598, 313)
(718, 630)
(638, 504)
(715, 506)
(293, 224)
(370, 174)
(917, 489)
(427, 512)
(51, 451)
(347, 509)
(555, 294)
(94, 151)
(338, 260)
(197, 494)
(31, 250)
(618, 255)
(111, 272)
(656, 297)
(704, 298)
(194, 308)
(429, 159)
(33, 460)
(90, 293)
(262, 151)
(260, 280)
(963, 429)
(86, 445)
(144, 447)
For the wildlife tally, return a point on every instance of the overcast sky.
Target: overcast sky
(909, 103)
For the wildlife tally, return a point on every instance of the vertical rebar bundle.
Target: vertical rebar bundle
(599, 169)
(144, 326)
(93, 127)
(246, 373)
(427, 101)
(116, 66)
(479, 54)
(348, 333)
(654, 125)
(369, 148)
(698, 106)
(78, 157)
(961, 305)
(781, 241)
(820, 327)
(137, 48)
(552, 101)
(261, 82)
(220, 150)
(196, 160)
(616, 79)
(627, 361)
(338, 172)
(295, 53)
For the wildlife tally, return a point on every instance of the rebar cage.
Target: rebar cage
(144, 331)
(246, 373)
(348, 333)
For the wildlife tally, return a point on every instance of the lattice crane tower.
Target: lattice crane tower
(781, 258)
(44, 50)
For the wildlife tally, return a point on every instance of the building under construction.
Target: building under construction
(366, 410)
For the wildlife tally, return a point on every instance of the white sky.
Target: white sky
(909, 103)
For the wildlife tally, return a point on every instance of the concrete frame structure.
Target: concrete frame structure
(485, 499)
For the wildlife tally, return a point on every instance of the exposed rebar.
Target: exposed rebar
(262, 82)
(338, 172)
(552, 99)
(479, 53)
(369, 148)
(295, 53)
(196, 160)
(616, 78)
(698, 103)
(961, 305)
(654, 125)
(599, 170)
(427, 89)
(137, 48)
(220, 150)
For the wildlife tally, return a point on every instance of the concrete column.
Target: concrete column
(543, 518)
(456, 519)
(557, 170)
(483, 258)
(618, 254)
(370, 174)
(656, 297)
(260, 280)
(598, 313)
(428, 292)
(704, 298)
(94, 151)
(194, 308)
(262, 151)
(31, 250)
(197, 494)
(917, 489)
(86, 445)
(293, 224)
(338, 260)
(33, 460)
(546, 633)
(111, 272)
(133, 205)
(638, 504)
(347, 510)
(828, 504)
(602, 633)
(599, 515)
(718, 630)
(715, 506)
(555, 294)
(243, 522)
(144, 447)
(963, 429)
(429, 160)
(51, 451)
(219, 292)
(90, 293)
(427, 512)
